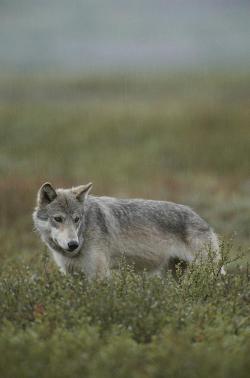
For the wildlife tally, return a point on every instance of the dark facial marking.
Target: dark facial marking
(58, 219)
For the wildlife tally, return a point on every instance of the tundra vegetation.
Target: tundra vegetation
(182, 138)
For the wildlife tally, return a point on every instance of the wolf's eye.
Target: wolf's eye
(76, 219)
(58, 219)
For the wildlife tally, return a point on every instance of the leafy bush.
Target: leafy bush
(132, 325)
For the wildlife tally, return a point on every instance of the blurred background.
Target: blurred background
(143, 98)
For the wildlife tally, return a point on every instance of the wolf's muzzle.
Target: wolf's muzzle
(72, 245)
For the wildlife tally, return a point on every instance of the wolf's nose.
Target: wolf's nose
(72, 245)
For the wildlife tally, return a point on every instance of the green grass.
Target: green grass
(183, 138)
(132, 325)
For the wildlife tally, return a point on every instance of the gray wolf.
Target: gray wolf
(91, 234)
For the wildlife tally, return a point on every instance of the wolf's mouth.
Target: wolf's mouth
(63, 251)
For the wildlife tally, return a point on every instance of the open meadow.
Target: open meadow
(180, 137)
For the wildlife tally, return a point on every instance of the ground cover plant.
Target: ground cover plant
(132, 325)
(182, 138)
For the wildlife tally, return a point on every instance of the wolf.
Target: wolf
(91, 233)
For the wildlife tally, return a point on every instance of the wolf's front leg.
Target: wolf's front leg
(95, 265)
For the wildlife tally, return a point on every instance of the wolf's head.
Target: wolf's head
(59, 217)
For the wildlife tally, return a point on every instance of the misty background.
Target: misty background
(113, 35)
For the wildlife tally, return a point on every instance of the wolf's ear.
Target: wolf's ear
(81, 192)
(46, 194)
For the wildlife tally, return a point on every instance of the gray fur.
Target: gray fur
(150, 234)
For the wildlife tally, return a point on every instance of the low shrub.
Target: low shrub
(132, 325)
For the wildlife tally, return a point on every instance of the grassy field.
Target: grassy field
(183, 138)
